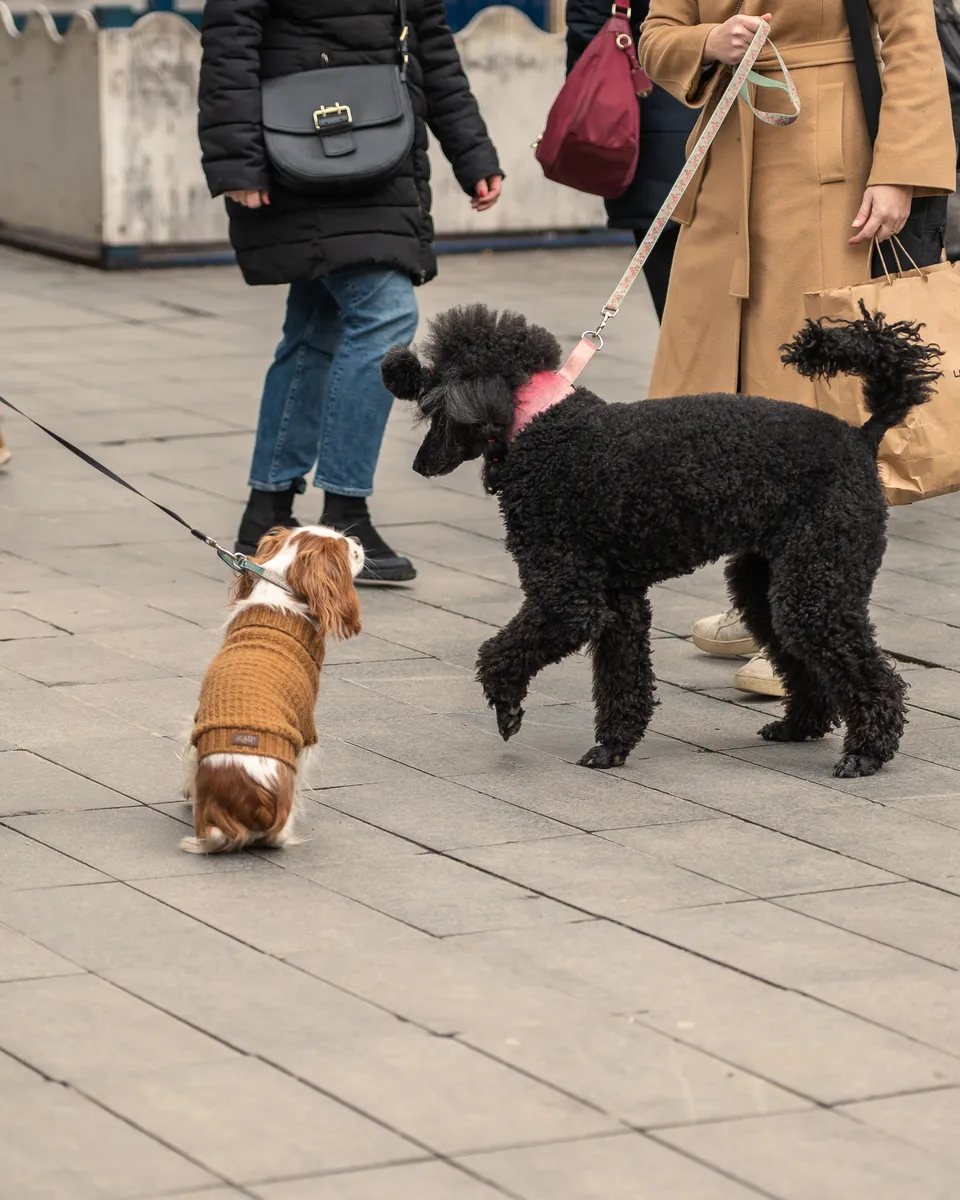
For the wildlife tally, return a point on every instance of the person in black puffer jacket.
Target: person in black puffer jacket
(665, 125)
(351, 261)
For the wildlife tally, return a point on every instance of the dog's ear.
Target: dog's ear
(320, 574)
(402, 373)
(270, 545)
(537, 350)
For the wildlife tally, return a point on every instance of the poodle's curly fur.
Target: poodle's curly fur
(601, 501)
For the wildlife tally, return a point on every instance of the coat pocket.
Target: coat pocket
(830, 163)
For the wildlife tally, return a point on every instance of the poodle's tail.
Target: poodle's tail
(897, 368)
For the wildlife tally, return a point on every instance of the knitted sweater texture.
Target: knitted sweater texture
(259, 692)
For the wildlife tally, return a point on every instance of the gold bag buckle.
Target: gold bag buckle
(332, 110)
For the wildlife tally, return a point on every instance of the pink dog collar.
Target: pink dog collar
(544, 390)
(548, 388)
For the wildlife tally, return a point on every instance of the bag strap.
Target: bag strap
(860, 23)
(403, 40)
(642, 83)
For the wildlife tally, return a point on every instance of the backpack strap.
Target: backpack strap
(642, 83)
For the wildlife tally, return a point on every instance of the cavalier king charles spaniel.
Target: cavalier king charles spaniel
(254, 723)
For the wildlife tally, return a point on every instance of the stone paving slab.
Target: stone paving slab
(716, 973)
(628, 1167)
(927, 1120)
(829, 1055)
(273, 1119)
(909, 916)
(820, 1154)
(752, 859)
(425, 1180)
(78, 1025)
(86, 1152)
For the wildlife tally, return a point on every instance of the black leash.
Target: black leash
(236, 562)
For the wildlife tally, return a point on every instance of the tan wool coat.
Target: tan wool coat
(770, 214)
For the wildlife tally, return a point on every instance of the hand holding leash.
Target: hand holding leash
(729, 42)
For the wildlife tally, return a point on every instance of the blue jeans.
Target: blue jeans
(323, 401)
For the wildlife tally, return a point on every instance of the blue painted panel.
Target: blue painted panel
(114, 16)
(462, 12)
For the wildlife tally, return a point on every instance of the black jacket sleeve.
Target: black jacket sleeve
(231, 139)
(452, 111)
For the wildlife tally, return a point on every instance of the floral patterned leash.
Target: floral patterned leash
(592, 340)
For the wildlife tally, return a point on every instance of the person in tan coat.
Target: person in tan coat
(778, 211)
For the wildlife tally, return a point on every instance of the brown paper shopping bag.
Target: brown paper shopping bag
(920, 458)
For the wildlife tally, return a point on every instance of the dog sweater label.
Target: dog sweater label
(245, 739)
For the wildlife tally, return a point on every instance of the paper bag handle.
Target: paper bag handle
(894, 243)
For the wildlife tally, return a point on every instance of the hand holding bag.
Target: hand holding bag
(592, 139)
(339, 129)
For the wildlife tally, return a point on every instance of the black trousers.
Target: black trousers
(656, 269)
(922, 237)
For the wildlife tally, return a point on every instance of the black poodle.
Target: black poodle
(601, 501)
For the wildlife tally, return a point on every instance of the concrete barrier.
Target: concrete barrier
(99, 150)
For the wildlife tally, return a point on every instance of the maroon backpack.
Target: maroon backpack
(592, 138)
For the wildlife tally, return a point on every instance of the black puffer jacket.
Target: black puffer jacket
(665, 124)
(302, 237)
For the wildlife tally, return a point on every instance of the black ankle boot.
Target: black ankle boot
(350, 515)
(264, 511)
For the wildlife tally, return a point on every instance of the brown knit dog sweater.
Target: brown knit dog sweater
(259, 692)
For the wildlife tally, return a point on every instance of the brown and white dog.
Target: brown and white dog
(254, 723)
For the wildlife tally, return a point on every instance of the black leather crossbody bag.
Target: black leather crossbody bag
(339, 129)
(923, 234)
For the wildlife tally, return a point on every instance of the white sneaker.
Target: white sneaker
(759, 677)
(724, 635)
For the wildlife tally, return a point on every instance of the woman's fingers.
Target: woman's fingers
(487, 193)
(869, 231)
(867, 220)
(249, 199)
(863, 215)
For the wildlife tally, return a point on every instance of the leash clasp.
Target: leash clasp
(241, 565)
(596, 335)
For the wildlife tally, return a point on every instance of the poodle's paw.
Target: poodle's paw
(856, 766)
(786, 730)
(602, 758)
(509, 719)
(781, 731)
